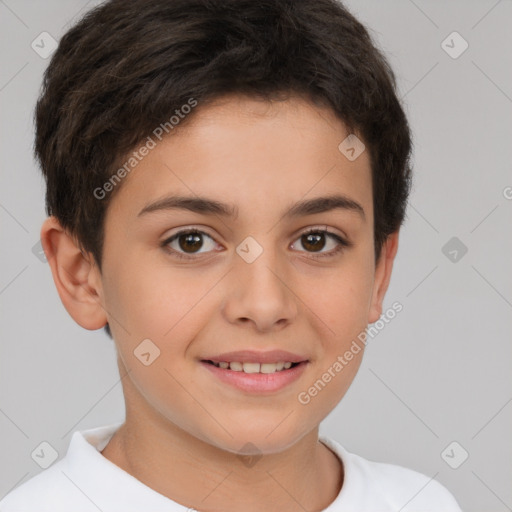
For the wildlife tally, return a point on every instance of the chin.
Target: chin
(253, 441)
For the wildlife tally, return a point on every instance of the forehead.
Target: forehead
(251, 152)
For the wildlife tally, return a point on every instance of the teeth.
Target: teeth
(255, 367)
(268, 367)
(252, 367)
(237, 367)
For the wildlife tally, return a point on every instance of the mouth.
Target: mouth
(252, 367)
(253, 377)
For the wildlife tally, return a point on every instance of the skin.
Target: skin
(184, 429)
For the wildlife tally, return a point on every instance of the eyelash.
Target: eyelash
(342, 243)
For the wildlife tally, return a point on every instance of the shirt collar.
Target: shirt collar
(90, 470)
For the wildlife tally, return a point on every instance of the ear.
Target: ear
(76, 276)
(383, 276)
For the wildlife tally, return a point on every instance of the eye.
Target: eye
(315, 240)
(188, 242)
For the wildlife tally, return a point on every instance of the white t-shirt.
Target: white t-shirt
(86, 481)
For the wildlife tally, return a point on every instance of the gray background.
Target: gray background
(438, 373)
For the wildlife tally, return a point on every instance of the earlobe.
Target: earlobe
(383, 276)
(75, 275)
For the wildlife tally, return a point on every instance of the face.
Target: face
(247, 256)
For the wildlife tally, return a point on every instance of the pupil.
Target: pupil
(312, 239)
(192, 239)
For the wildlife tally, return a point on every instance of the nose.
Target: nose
(260, 294)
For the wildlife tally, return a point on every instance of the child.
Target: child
(268, 134)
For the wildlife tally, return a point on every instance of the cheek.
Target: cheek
(341, 300)
(153, 300)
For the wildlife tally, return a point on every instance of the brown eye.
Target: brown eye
(313, 241)
(189, 242)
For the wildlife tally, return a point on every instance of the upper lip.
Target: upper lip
(253, 356)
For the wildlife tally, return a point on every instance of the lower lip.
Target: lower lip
(257, 382)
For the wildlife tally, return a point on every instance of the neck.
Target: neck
(199, 475)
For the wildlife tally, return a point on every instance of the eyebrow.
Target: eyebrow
(208, 206)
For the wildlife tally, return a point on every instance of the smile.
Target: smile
(254, 367)
(256, 378)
